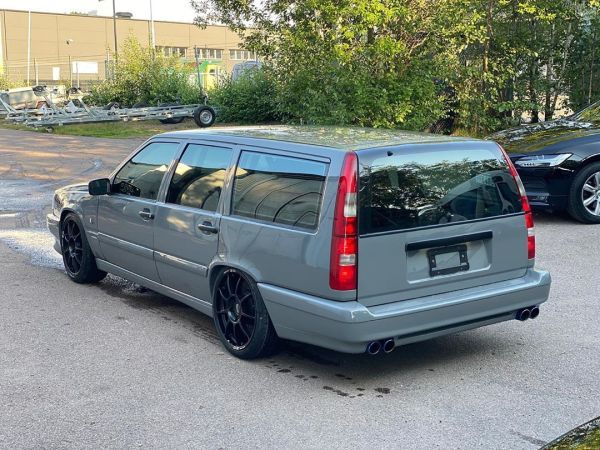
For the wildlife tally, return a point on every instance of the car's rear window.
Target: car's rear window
(422, 186)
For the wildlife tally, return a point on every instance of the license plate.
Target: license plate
(448, 260)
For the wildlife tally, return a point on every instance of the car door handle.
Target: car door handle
(146, 214)
(207, 227)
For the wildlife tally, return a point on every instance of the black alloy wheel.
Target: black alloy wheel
(79, 261)
(72, 246)
(240, 316)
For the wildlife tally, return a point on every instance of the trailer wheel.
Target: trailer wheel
(204, 116)
(171, 120)
(140, 105)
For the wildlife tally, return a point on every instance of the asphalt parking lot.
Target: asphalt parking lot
(114, 365)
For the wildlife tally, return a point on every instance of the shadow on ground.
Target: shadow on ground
(346, 375)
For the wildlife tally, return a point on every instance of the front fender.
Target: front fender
(75, 199)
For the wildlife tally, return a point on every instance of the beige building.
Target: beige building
(48, 48)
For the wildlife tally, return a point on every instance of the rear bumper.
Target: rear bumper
(350, 326)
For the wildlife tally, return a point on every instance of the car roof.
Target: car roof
(342, 138)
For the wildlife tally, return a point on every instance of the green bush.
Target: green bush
(357, 95)
(142, 75)
(4, 82)
(251, 98)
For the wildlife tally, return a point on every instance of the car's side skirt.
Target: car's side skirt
(200, 305)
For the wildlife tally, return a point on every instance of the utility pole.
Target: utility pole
(115, 29)
(152, 33)
(28, 47)
(197, 66)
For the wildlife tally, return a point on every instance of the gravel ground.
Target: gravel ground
(117, 366)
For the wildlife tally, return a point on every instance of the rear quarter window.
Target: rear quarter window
(279, 189)
(420, 186)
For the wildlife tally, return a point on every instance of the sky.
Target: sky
(172, 10)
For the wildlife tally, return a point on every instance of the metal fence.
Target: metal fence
(81, 72)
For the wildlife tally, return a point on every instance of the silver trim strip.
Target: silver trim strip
(128, 246)
(180, 263)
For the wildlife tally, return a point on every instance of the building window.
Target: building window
(210, 53)
(173, 51)
(241, 55)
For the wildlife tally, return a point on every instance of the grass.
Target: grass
(138, 129)
(589, 442)
(585, 437)
(118, 130)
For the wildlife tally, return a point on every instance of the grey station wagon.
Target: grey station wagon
(357, 240)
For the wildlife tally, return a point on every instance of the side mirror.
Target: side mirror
(101, 186)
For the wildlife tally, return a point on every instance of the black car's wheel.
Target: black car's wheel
(78, 258)
(204, 116)
(584, 197)
(240, 316)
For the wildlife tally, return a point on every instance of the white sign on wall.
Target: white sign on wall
(55, 73)
(87, 67)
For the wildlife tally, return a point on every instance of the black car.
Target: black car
(559, 162)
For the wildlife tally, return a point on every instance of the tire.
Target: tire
(112, 105)
(171, 120)
(140, 105)
(240, 316)
(204, 116)
(584, 196)
(78, 259)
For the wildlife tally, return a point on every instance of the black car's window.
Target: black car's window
(142, 175)
(279, 189)
(199, 177)
(431, 187)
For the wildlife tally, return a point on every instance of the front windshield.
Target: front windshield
(589, 114)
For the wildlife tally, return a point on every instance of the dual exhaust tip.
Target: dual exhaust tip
(528, 313)
(385, 346)
(388, 345)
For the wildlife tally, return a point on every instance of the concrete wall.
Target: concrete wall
(91, 40)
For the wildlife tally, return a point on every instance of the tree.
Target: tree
(409, 62)
(142, 75)
(582, 78)
(361, 62)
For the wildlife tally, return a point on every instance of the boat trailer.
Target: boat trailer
(75, 111)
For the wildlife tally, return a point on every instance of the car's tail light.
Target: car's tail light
(344, 242)
(526, 207)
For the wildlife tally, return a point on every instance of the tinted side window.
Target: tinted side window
(199, 177)
(431, 187)
(142, 175)
(279, 189)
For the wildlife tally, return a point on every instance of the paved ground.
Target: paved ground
(115, 366)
